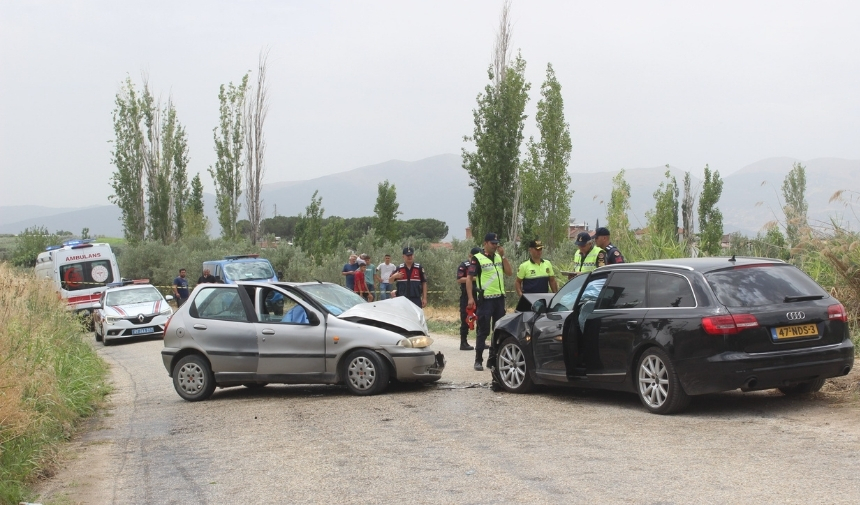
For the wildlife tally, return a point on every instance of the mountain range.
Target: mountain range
(438, 187)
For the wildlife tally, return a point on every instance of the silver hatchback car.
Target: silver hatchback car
(256, 333)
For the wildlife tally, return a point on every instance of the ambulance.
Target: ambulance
(79, 270)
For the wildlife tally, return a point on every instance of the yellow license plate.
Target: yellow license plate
(796, 331)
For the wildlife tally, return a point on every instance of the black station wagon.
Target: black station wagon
(671, 329)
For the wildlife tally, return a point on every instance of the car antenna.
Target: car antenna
(732, 258)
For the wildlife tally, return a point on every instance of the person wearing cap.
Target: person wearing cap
(588, 257)
(411, 279)
(349, 272)
(360, 284)
(535, 275)
(487, 273)
(462, 278)
(384, 275)
(601, 240)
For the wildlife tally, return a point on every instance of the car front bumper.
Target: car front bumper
(733, 370)
(420, 366)
(123, 329)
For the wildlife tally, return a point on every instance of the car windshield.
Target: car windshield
(566, 296)
(249, 270)
(130, 296)
(334, 298)
(757, 285)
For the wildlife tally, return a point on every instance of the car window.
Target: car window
(669, 290)
(624, 290)
(86, 275)
(280, 308)
(565, 298)
(336, 299)
(757, 285)
(220, 303)
(130, 296)
(249, 270)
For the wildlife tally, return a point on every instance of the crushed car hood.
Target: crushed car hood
(399, 312)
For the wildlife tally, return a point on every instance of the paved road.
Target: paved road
(451, 443)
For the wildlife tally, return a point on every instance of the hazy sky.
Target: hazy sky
(358, 83)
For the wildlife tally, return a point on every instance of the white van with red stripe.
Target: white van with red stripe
(79, 270)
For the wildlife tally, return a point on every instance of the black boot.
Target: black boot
(464, 345)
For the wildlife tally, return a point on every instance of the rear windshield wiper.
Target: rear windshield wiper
(802, 298)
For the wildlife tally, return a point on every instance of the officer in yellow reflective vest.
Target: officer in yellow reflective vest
(588, 257)
(487, 271)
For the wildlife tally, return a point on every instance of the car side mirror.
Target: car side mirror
(280, 275)
(168, 297)
(98, 306)
(218, 279)
(313, 319)
(539, 306)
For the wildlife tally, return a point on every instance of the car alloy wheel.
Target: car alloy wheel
(659, 388)
(512, 367)
(365, 373)
(193, 378)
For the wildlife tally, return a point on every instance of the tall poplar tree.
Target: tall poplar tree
(616, 214)
(196, 222)
(546, 194)
(710, 216)
(255, 143)
(497, 136)
(309, 229)
(687, 206)
(663, 219)
(127, 156)
(386, 211)
(229, 165)
(795, 209)
(151, 156)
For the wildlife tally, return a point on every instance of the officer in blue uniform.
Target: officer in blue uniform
(601, 240)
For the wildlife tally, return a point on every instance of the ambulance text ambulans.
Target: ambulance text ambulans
(79, 270)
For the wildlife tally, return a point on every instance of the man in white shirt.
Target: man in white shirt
(385, 270)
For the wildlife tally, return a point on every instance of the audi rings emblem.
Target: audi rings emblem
(795, 316)
(140, 316)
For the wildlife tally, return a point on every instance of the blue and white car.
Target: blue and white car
(131, 309)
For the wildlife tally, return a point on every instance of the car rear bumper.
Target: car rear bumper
(424, 366)
(733, 370)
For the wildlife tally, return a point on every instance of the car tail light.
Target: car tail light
(166, 325)
(837, 312)
(728, 325)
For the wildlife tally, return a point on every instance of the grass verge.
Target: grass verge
(50, 378)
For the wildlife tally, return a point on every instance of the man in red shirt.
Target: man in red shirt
(359, 283)
(411, 281)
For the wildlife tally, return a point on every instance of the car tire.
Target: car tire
(365, 373)
(106, 342)
(802, 388)
(658, 385)
(99, 336)
(512, 367)
(193, 378)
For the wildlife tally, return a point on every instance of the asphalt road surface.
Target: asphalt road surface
(455, 442)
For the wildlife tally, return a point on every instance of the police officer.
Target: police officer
(588, 257)
(411, 280)
(601, 240)
(535, 275)
(462, 278)
(487, 271)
